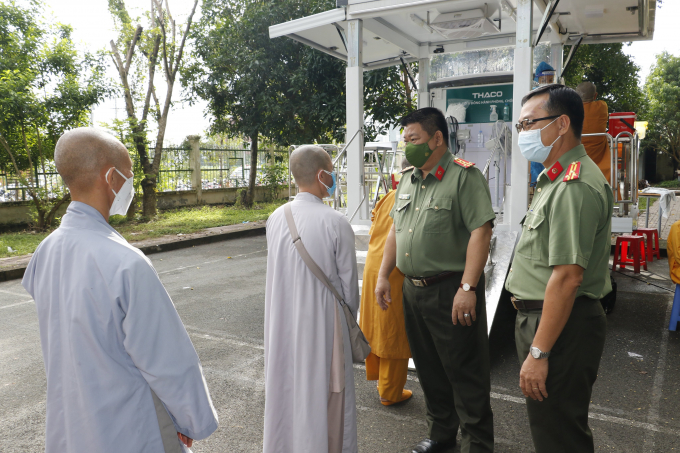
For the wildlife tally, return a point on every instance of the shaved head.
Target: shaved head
(587, 91)
(80, 155)
(306, 161)
(405, 163)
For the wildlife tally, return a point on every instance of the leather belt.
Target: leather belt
(526, 304)
(534, 304)
(427, 281)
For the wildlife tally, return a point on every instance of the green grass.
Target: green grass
(185, 221)
(21, 243)
(642, 203)
(671, 184)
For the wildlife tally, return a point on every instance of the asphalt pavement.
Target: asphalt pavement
(218, 290)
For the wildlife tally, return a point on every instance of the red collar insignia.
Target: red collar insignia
(439, 174)
(463, 163)
(573, 171)
(554, 171)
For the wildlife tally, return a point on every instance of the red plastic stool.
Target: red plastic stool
(651, 234)
(637, 245)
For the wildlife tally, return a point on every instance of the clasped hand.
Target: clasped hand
(188, 441)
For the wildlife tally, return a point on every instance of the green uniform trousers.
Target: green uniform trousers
(559, 423)
(452, 363)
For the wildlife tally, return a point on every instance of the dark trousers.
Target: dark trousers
(559, 423)
(452, 363)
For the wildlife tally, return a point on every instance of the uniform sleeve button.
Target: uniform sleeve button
(423, 186)
(539, 189)
(417, 209)
(410, 230)
(407, 254)
(436, 207)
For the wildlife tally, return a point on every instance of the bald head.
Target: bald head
(306, 161)
(405, 163)
(80, 155)
(587, 91)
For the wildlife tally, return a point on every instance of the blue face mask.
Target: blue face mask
(331, 189)
(531, 145)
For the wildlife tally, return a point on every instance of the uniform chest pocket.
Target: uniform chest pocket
(401, 211)
(437, 216)
(530, 244)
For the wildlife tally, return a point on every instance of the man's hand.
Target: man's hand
(383, 292)
(532, 378)
(188, 441)
(464, 303)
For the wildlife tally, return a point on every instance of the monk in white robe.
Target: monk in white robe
(122, 374)
(305, 331)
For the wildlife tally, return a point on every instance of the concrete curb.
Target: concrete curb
(18, 272)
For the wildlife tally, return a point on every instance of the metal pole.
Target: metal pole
(647, 219)
(355, 121)
(524, 53)
(423, 80)
(498, 186)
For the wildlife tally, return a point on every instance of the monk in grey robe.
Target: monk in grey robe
(122, 374)
(309, 381)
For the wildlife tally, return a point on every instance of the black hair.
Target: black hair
(562, 101)
(430, 119)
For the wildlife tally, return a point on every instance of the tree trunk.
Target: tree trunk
(149, 197)
(407, 89)
(132, 209)
(250, 196)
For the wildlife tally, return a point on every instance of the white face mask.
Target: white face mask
(531, 145)
(124, 196)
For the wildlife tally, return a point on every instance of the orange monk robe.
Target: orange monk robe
(673, 248)
(384, 330)
(597, 148)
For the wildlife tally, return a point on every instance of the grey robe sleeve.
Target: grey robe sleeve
(160, 348)
(346, 261)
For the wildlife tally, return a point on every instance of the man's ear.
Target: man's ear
(564, 123)
(439, 140)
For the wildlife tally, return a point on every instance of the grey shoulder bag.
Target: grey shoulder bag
(360, 346)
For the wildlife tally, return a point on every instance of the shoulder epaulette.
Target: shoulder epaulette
(573, 171)
(407, 169)
(463, 163)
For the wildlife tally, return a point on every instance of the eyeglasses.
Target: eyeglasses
(524, 124)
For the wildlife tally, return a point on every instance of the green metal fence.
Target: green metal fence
(219, 167)
(175, 170)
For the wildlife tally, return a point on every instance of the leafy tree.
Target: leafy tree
(388, 96)
(263, 88)
(159, 47)
(663, 90)
(46, 88)
(614, 74)
(278, 90)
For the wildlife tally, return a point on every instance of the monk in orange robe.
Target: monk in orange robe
(385, 330)
(673, 248)
(595, 122)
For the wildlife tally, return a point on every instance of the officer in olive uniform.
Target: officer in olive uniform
(440, 240)
(560, 272)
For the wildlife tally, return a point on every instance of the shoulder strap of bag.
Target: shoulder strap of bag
(309, 261)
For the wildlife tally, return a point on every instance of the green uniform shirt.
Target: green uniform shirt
(433, 218)
(569, 222)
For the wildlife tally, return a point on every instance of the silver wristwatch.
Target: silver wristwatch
(538, 354)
